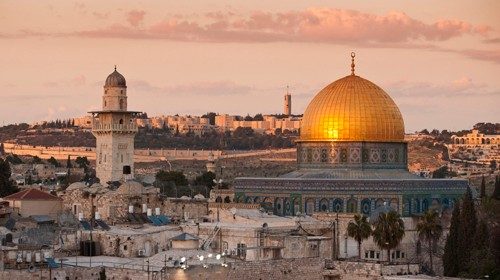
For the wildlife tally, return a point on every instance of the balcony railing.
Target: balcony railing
(114, 127)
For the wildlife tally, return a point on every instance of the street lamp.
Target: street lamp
(217, 185)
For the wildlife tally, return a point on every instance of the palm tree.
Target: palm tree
(359, 229)
(388, 232)
(429, 228)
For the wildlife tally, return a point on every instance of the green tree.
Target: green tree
(496, 191)
(36, 160)
(205, 179)
(211, 117)
(176, 177)
(429, 229)
(68, 162)
(82, 162)
(359, 229)
(6, 185)
(388, 232)
(468, 223)
(483, 188)
(14, 159)
(54, 162)
(451, 251)
(482, 261)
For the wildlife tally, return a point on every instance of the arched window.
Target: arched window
(366, 206)
(309, 206)
(323, 205)
(121, 104)
(352, 206)
(425, 205)
(121, 121)
(338, 205)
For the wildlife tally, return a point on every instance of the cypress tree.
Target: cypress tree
(451, 252)
(496, 191)
(6, 185)
(68, 163)
(483, 188)
(468, 223)
(2, 149)
(482, 260)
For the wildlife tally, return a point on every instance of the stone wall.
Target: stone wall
(370, 270)
(295, 269)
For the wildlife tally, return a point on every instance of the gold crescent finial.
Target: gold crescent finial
(353, 54)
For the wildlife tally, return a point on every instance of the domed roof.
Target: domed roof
(76, 186)
(131, 188)
(115, 79)
(352, 109)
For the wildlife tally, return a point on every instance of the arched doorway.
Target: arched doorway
(278, 206)
(323, 205)
(338, 205)
(366, 206)
(352, 206)
(309, 206)
(287, 209)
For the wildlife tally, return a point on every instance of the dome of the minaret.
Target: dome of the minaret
(115, 79)
(352, 109)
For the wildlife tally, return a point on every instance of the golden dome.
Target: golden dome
(352, 109)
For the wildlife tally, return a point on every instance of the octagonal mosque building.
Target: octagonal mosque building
(351, 158)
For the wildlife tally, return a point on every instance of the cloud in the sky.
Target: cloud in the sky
(135, 17)
(323, 25)
(205, 88)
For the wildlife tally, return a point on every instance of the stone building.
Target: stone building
(111, 204)
(114, 128)
(475, 138)
(287, 104)
(251, 235)
(33, 201)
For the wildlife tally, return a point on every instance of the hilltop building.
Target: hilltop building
(351, 158)
(114, 129)
(287, 106)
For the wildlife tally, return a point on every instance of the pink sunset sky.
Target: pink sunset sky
(439, 60)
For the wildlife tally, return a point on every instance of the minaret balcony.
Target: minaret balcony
(123, 128)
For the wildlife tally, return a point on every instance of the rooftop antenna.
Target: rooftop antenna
(353, 54)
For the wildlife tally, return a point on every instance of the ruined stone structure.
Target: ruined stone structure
(114, 128)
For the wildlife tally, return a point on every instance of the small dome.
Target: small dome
(199, 197)
(115, 79)
(131, 188)
(76, 186)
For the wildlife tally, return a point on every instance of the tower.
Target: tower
(287, 106)
(114, 129)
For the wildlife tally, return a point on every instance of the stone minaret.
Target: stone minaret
(114, 129)
(287, 106)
